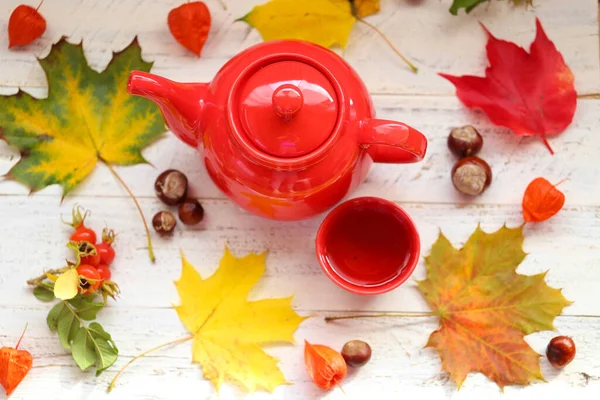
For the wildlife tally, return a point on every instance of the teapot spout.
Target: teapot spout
(392, 142)
(181, 104)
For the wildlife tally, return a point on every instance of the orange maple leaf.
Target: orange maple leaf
(486, 308)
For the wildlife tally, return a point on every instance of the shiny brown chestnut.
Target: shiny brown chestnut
(356, 353)
(471, 176)
(465, 141)
(171, 187)
(191, 212)
(164, 222)
(560, 351)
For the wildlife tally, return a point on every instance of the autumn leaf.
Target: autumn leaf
(15, 364)
(87, 117)
(66, 285)
(228, 329)
(323, 22)
(530, 93)
(486, 308)
(541, 200)
(190, 25)
(469, 5)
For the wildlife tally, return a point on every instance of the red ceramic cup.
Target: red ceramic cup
(368, 245)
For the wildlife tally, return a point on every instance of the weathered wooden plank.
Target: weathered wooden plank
(399, 365)
(515, 161)
(566, 246)
(424, 31)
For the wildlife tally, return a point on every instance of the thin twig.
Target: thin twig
(223, 4)
(180, 340)
(37, 281)
(329, 319)
(21, 338)
(150, 249)
(589, 96)
(411, 65)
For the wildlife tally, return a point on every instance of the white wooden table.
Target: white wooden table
(32, 237)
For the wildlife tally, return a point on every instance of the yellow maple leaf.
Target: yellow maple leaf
(323, 22)
(228, 329)
(66, 285)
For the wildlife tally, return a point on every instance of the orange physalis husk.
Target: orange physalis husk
(190, 24)
(14, 365)
(325, 366)
(25, 25)
(541, 200)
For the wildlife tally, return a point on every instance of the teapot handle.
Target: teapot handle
(392, 142)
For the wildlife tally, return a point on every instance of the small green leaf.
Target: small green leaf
(54, 315)
(68, 326)
(105, 347)
(469, 5)
(100, 332)
(466, 4)
(85, 307)
(83, 350)
(93, 345)
(43, 294)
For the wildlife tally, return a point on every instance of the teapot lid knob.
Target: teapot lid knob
(285, 108)
(287, 101)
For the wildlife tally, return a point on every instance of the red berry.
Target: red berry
(560, 351)
(104, 272)
(106, 253)
(87, 253)
(89, 278)
(93, 260)
(83, 233)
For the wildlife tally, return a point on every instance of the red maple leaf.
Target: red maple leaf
(530, 93)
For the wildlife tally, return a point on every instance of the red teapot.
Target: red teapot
(287, 128)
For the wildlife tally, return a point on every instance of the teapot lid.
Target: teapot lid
(287, 108)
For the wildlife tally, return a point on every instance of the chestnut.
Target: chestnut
(465, 141)
(171, 187)
(560, 351)
(164, 222)
(356, 353)
(191, 212)
(471, 176)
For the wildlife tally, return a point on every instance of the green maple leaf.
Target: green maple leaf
(87, 117)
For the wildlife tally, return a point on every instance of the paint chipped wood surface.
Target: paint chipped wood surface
(567, 246)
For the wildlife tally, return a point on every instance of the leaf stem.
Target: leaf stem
(411, 65)
(562, 181)
(150, 249)
(66, 303)
(223, 4)
(180, 340)
(547, 144)
(329, 319)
